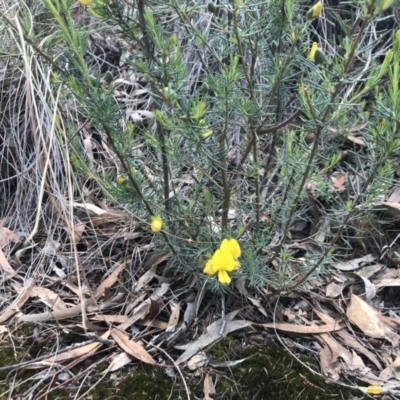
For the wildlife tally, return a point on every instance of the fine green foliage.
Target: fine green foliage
(234, 130)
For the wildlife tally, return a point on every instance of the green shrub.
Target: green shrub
(239, 125)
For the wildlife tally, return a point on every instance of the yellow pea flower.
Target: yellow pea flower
(156, 223)
(85, 2)
(224, 260)
(314, 48)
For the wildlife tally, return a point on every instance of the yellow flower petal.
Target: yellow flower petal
(232, 246)
(224, 278)
(156, 224)
(314, 48)
(85, 2)
(223, 261)
(209, 268)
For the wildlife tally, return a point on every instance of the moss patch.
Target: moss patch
(273, 373)
(268, 373)
(23, 348)
(145, 383)
(12, 378)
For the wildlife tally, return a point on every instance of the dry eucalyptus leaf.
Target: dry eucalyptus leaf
(119, 361)
(392, 371)
(329, 355)
(304, 329)
(353, 264)
(212, 335)
(369, 271)
(110, 280)
(387, 282)
(131, 347)
(365, 317)
(351, 341)
(370, 291)
(83, 351)
(48, 297)
(209, 388)
(334, 289)
(174, 317)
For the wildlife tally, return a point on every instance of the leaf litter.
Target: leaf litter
(344, 334)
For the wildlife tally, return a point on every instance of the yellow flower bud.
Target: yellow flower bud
(85, 2)
(315, 10)
(156, 224)
(121, 180)
(207, 133)
(314, 48)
